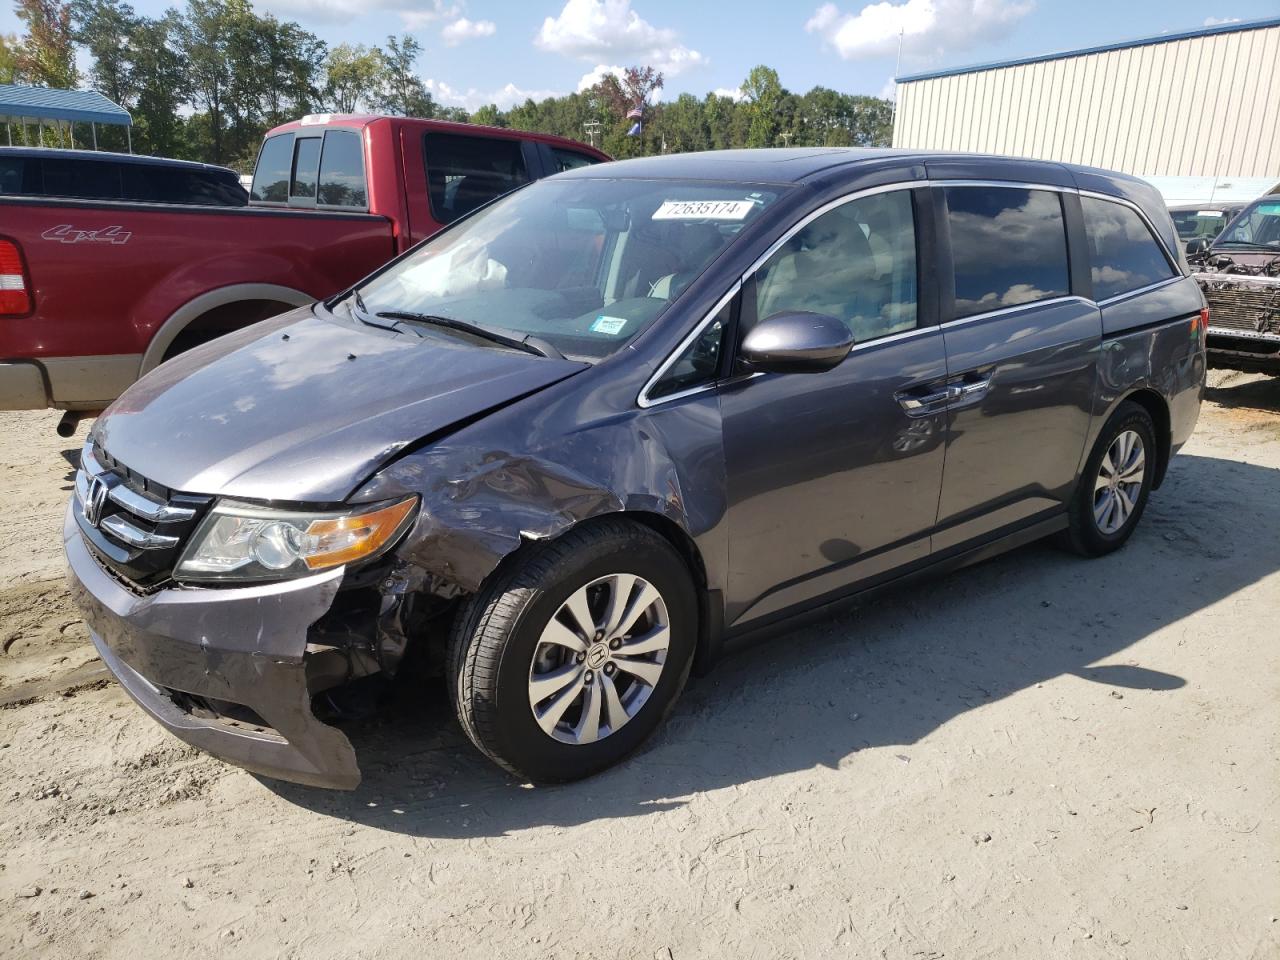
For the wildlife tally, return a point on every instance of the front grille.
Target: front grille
(1242, 303)
(136, 527)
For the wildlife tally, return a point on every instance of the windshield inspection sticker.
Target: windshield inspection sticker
(703, 210)
(610, 325)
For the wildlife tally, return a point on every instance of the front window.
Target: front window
(1258, 226)
(584, 265)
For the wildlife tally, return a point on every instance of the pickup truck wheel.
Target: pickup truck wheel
(1115, 484)
(574, 654)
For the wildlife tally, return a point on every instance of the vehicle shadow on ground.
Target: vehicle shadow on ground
(1252, 394)
(887, 674)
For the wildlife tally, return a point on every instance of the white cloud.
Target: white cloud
(602, 30)
(598, 73)
(733, 93)
(1217, 21)
(462, 29)
(473, 99)
(414, 14)
(890, 90)
(928, 28)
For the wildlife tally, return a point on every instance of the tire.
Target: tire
(1088, 533)
(494, 677)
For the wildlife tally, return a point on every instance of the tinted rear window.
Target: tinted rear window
(151, 183)
(271, 178)
(1123, 255)
(466, 172)
(11, 171)
(1009, 247)
(87, 179)
(342, 170)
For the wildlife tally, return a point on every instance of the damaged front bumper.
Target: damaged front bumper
(222, 669)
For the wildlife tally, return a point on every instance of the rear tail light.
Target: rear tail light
(1204, 319)
(15, 299)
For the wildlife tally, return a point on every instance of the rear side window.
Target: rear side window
(151, 183)
(342, 171)
(271, 178)
(87, 179)
(1008, 245)
(306, 165)
(562, 160)
(1123, 255)
(11, 171)
(466, 172)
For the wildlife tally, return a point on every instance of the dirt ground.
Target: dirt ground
(1039, 757)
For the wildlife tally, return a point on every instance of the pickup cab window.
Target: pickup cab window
(271, 177)
(342, 171)
(306, 164)
(467, 172)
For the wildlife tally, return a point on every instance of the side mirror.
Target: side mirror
(798, 342)
(1198, 247)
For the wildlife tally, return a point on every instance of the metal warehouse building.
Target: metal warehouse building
(1204, 103)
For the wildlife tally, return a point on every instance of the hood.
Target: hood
(302, 408)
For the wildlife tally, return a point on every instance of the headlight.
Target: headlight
(243, 541)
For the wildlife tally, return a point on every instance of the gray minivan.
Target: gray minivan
(580, 442)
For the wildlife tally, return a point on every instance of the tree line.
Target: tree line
(207, 81)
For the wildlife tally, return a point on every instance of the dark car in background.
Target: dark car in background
(589, 436)
(93, 175)
(1201, 220)
(1239, 271)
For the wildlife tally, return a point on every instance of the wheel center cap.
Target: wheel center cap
(597, 655)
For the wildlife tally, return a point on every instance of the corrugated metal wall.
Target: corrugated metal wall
(1202, 106)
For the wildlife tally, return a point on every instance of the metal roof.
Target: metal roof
(46, 103)
(1105, 48)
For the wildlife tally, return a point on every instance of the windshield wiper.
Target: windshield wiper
(361, 313)
(1260, 245)
(528, 343)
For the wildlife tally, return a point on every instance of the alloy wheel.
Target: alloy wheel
(599, 659)
(1119, 483)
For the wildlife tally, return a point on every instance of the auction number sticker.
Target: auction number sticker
(610, 325)
(703, 210)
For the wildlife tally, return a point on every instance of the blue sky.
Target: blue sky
(478, 51)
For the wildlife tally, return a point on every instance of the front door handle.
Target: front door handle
(923, 404)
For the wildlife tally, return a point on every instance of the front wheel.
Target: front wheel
(575, 652)
(1115, 484)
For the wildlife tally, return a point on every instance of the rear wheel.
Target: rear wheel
(572, 656)
(1115, 484)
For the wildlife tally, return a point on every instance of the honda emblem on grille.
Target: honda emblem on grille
(95, 501)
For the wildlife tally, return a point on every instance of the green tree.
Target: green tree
(763, 94)
(211, 39)
(106, 29)
(162, 87)
(353, 76)
(47, 56)
(405, 93)
(490, 116)
(10, 59)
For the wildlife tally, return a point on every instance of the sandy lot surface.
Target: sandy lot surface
(1038, 757)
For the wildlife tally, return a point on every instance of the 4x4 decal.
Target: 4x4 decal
(66, 233)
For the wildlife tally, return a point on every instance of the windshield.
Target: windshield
(1258, 226)
(583, 265)
(1192, 224)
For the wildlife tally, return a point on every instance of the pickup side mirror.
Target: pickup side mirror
(796, 342)
(1198, 247)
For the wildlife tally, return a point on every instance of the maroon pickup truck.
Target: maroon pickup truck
(95, 293)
